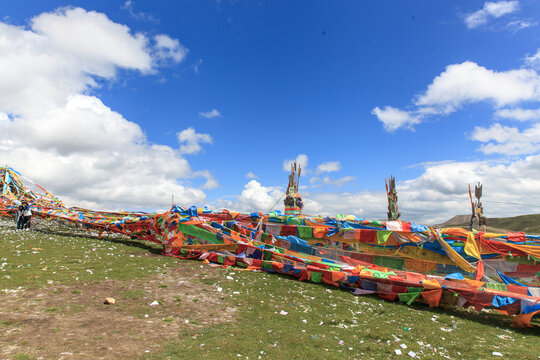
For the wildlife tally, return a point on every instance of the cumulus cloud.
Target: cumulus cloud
(329, 166)
(517, 25)
(533, 61)
(444, 187)
(468, 82)
(257, 197)
(439, 193)
(490, 9)
(462, 84)
(499, 139)
(519, 114)
(168, 48)
(56, 131)
(254, 197)
(210, 114)
(211, 182)
(98, 44)
(139, 15)
(301, 159)
(337, 182)
(251, 175)
(394, 119)
(190, 141)
(196, 66)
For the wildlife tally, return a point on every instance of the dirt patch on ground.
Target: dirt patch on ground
(72, 322)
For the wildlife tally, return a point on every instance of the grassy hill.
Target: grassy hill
(529, 224)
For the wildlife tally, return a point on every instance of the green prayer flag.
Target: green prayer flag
(496, 286)
(408, 297)
(383, 235)
(305, 232)
(389, 262)
(316, 277)
(199, 233)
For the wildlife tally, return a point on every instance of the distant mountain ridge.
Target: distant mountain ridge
(456, 220)
(529, 224)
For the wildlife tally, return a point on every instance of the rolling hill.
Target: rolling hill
(529, 224)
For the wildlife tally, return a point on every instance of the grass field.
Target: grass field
(54, 285)
(529, 224)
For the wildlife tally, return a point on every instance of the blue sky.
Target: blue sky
(431, 92)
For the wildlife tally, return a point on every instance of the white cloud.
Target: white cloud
(500, 8)
(211, 182)
(338, 182)
(444, 188)
(139, 15)
(499, 139)
(364, 204)
(439, 193)
(301, 159)
(533, 61)
(196, 66)
(490, 9)
(462, 84)
(393, 118)
(468, 82)
(255, 197)
(190, 141)
(55, 131)
(251, 175)
(328, 166)
(168, 48)
(517, 25)
(519, 114)
(98, 44)
(210, 114)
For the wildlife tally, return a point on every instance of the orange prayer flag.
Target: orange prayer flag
(479, 271)
(235, 236)
(524, 320)
(431, 284)
(319, 231)
(432, 297)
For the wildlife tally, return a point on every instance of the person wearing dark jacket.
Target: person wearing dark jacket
(20, 217)
(27, 215)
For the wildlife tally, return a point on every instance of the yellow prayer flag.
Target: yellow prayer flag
(471, 246)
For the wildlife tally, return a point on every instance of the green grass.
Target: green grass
(22, 356)
(38, 259)
(529, 224)
(133, 294)
(326, 323)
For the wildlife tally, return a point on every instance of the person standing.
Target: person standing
(27, 215)
(20, 218)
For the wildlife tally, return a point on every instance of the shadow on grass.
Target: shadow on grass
(150, 247)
